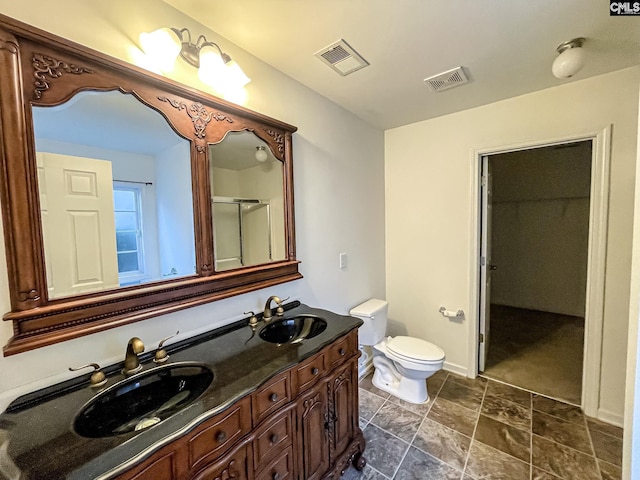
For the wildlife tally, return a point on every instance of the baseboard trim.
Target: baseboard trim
(454, 368)
(611, 417)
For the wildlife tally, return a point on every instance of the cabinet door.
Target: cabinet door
(313, 416)
(343, 412)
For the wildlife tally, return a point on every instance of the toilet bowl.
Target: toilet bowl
(401, 364)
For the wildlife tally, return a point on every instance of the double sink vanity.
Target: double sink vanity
(186, 216)
(274, 400)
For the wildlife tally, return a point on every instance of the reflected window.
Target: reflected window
(127, 202)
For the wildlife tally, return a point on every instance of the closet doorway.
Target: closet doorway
(535, 235)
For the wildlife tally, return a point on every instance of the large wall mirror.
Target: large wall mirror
(126, 196)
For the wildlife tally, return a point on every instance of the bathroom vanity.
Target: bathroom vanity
(249, 407)
(273, 411)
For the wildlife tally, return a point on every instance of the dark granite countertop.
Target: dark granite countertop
(37, 439)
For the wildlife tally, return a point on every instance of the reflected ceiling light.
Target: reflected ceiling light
(215, 68)
(261, 154)
(570, 59)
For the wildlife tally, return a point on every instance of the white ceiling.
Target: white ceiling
(505, 46)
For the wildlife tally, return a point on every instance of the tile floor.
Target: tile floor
(482, 429)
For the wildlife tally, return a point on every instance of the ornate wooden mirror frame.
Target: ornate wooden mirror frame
(39, 69)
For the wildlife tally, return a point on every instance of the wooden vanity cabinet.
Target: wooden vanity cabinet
(302, 424)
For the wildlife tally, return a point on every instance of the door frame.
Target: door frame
(596, 260)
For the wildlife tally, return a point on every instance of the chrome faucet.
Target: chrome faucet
(131, 361)
(266, 315)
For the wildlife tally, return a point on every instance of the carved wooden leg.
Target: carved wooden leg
(359, 462)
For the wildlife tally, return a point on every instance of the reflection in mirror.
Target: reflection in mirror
(115, 194)
(247, 202)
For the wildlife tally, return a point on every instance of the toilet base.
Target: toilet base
(409, 390)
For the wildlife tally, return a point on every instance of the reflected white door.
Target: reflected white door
(44, 216)
(79, 230)
(485, 264)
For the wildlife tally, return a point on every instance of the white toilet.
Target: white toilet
(401, 364)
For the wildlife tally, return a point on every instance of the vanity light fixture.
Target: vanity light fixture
(261, 154)
(215, 68)
(570, 59)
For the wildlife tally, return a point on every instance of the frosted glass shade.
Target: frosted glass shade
(568, 63)
(212, 69)
(162, 47)
(236, 76)
(222, 76)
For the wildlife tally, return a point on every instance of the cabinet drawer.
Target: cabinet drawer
(162, 468)
(308, 372)
(233, 465)
(219, 433)
(340, 350)
(271, 397)
(272, 438)
(281, 468)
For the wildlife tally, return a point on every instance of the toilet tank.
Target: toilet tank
(374, 315)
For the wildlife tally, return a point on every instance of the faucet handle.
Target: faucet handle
(97, 377)
(253, 321)
(161, 355)
(280, 310)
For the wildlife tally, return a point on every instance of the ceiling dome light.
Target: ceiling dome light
(261, 154)
(570, 59)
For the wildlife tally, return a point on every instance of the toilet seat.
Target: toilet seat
(415, 350)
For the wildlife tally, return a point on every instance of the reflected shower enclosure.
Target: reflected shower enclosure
(242, 232)
(247, 199)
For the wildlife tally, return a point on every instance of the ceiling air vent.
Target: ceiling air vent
(446, 80)
(342, 58)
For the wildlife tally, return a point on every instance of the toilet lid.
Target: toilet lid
(415, 349)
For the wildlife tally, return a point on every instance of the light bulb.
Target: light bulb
(261, 154)
(162, 47)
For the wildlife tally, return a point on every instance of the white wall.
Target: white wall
(174, 207)
(429, 175)
(338, 186)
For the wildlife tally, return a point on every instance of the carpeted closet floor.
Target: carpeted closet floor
(537, 351)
